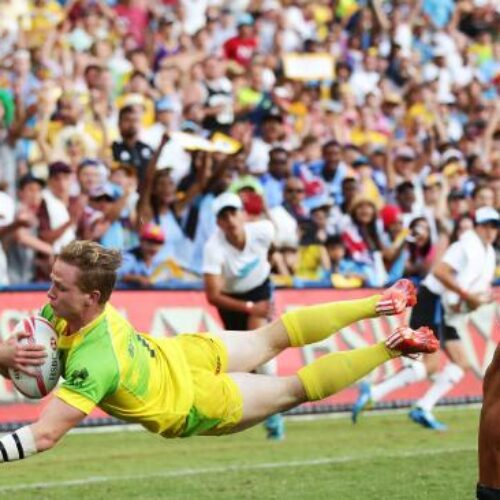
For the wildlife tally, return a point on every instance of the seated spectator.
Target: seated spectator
(362, 238)
(101, 217)
(131, 149)
(345, 273)
(140, 263)
(318, 228)
(464, 223)
(125, 177)
(311, 264)
(405, 200)
(288, 216)
(395, 235)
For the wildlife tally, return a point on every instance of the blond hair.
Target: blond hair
(97, 265)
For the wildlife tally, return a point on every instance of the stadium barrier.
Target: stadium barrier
(168, 313)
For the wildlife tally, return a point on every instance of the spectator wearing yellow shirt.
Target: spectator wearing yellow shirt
(42, 16)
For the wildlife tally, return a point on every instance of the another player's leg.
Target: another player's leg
(414, 372)
(324, 377)
(425, 313)
(311, 324)
(445, 380)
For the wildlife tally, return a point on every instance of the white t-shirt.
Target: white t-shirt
(242, 270)
(473, 263)
(7, 214)
(287, 229)
(58, 215)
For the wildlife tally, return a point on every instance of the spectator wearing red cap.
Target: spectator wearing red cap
(139, 264)
(394, 239)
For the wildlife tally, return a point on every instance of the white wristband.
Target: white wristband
(18, 445)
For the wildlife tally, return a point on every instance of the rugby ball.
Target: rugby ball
(45, 376)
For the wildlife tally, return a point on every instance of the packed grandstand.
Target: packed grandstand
(367, 131)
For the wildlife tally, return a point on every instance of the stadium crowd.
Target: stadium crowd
(367, 131)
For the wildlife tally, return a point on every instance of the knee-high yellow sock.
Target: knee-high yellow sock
(334, 372)
(307, 325)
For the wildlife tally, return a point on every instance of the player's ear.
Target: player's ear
(93, 298)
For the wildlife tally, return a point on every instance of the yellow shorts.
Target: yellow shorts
(218, 404)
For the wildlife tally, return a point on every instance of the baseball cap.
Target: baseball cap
(389, 215)
(104, 191)
(392, 98)
(245, 19)
(152, 232)
(454, 168)
(451, 154)
(406, 152)
(246, 182)
(432, 180)
(226, 200)
(59, 167)
(486, 215)
(319, 202)
(164, 104)
(361, 160)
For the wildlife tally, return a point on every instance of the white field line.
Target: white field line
(230, 468)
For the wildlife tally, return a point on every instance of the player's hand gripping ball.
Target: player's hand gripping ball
(42, 379)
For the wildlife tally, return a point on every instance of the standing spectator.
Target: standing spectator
(57, 222)
(9, 223)
(173, 155)
(217, 96)
(243, 46)
(332, 170)
(274, 180)
(236, 275)
(26, 246)
(130, 149)
(272, 135)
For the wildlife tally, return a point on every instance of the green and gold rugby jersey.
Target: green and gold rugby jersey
(130, 375)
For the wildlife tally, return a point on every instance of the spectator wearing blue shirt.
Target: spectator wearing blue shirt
(438, 11)
(331, 170)
(102, 218)
(340, 264)
(139, 264)
(273, 181)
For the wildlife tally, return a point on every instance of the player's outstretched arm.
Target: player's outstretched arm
(55, 421)
(23, 357)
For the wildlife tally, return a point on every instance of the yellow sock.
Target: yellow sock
(312, 324)
(334, 372)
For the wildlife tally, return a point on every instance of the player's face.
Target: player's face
(67, 300)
